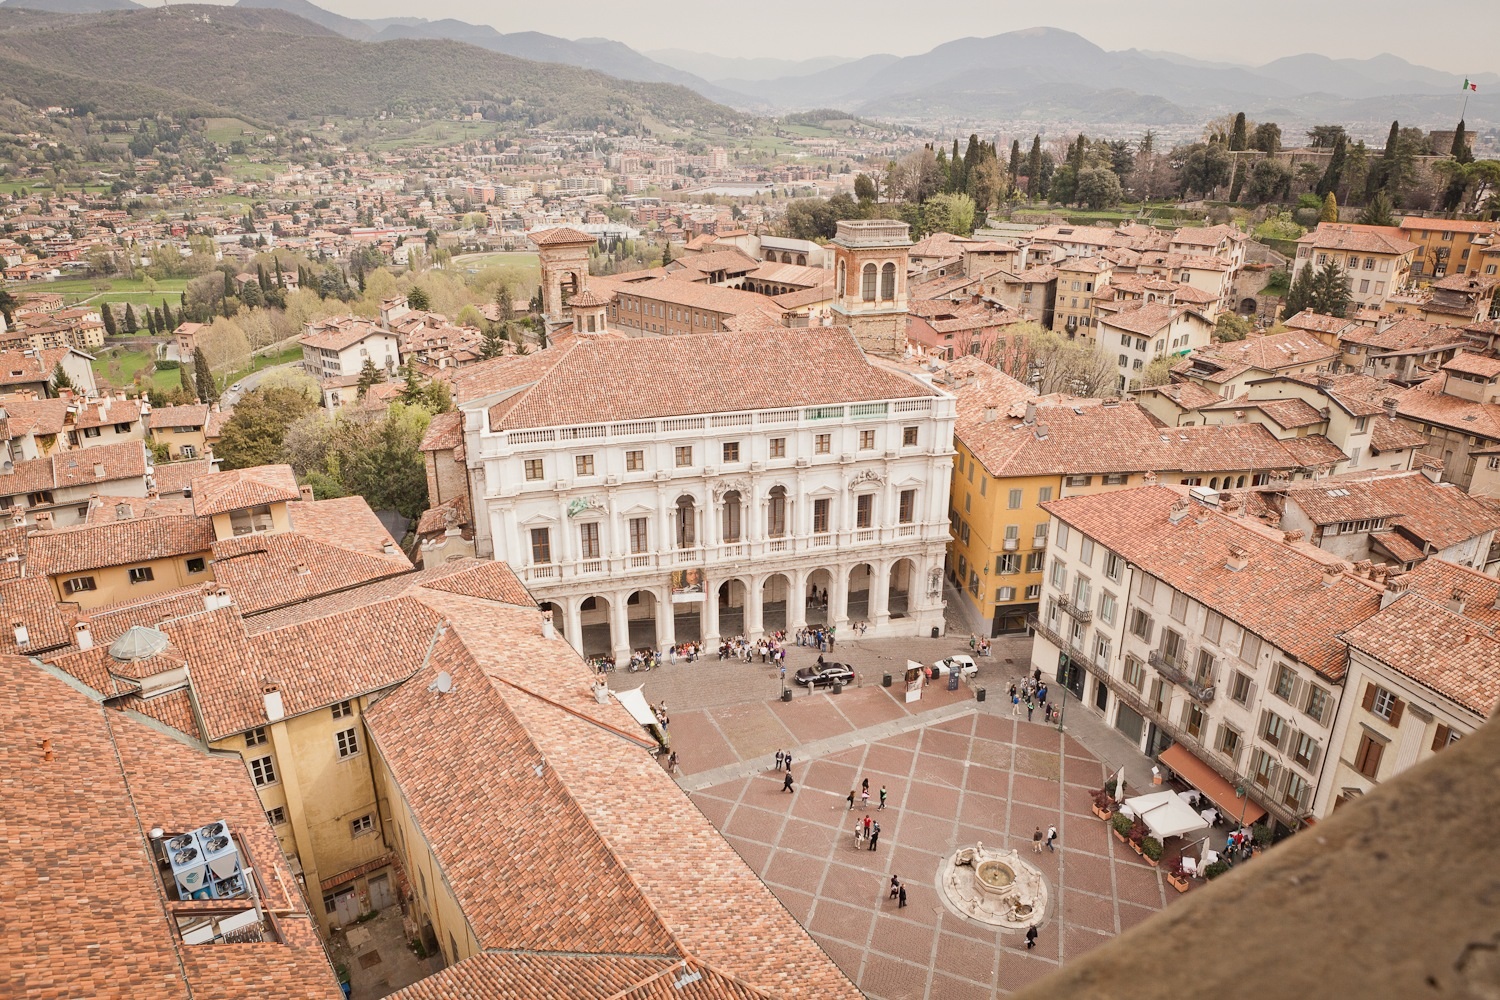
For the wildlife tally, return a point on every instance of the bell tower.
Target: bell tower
(564, 257)
(869, 266)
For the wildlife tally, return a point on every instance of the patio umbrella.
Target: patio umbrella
(1166, 815)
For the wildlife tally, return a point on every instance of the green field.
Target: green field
(97, 290)
(227, 130)
(131, 362)
(526, 262)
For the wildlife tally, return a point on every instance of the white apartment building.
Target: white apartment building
(1211, 640)
(337, 347)
(652, 491)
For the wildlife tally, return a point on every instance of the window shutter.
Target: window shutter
(1317, 755)
(1299, 692)
(1397, 707)
(1369, 699)
(1440, 739)
(1265, 718)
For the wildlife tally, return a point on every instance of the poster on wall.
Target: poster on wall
(687, 586)
(914, 681)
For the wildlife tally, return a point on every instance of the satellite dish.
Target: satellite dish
(443, 684)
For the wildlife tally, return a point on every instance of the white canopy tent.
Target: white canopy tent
(634, 702)
(1166, 814)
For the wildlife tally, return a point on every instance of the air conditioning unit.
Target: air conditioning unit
(219, 851)
(189, 869)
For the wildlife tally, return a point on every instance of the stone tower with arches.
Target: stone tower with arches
(869, 267)
(564, 257)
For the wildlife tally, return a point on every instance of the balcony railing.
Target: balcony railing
(1075, 653)
(1081, 613)
(1170, 668)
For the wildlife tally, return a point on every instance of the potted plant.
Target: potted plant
(1138, 833)
(1104, 804)
(1216, 869)
(1177, 876)
(1151, 850)
(1121, 824)
(1260, 838)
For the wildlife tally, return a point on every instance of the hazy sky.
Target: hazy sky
(1458, 36)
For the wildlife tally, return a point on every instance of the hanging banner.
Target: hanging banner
(687, 586)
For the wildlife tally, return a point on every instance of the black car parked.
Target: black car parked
(825, 674)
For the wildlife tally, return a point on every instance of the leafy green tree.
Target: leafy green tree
(949, 213)
(1378, 211)
(8, 303)
(1035, 188)
(1237, 135)
(1324, 136)
(1270, 180)
(131, 326)
(1460, 149)
(1333, 173)
(1201, 167)
(368, 375)
(203, 376)
(385, 467)
(493, 344)
(1098, 188)
(1231, 327)
(1330, 210)
(185, 376)
(1238, 181)
(60, 379)
(1266, 137)
(1015, 161)
(253, 435)
(864, 187)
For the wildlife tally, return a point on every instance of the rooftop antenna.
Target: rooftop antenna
(443, 684)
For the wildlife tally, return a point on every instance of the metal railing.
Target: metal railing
(1170, 668)
(1073, 609)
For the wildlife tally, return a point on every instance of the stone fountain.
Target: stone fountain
(995, 887)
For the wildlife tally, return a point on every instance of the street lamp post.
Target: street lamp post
(1064, 677)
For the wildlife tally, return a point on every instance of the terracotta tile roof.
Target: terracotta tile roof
(1096, 235)
(191, 415)
(1473, 364)
(560, 237)
(435, 520)
(1314, 451)
(20, 367)
(505, 373)
(1317, 322)
(341, 333)
(1280, 595)
(1188, 395)
(1147, 319)
(221, 492)
(1438, 648)
(1417, 223)
(1275, 351)
(495, 976)
(116, 543)
(1400, 549)
(1288, 413)
(88, 809)
(487, 580)
(1410, 335)
(1394, 435)
(1208, 235)
(1218, 447)
(1437, 579)
(1359, 239)
(597, 382)
(732, 260)
(444, 433)
(176, 477)
(1357, 394)
(1439, 514)
(214, 429)
(1428, 404)
(31, 601)
(82, 467)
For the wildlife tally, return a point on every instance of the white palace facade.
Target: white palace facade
(655, 491)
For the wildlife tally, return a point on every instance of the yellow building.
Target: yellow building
(1016, 451)
(182, 429)
(1450, 246)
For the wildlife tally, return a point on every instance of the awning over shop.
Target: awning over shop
(634, 702)
(1207, 780)
(1166, 814)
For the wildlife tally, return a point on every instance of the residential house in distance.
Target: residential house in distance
(1376, 259)
(1457, 411)
(181, 430)
(1407, 350)
(1447, 247)
(1228, 368)
(1423, 673)
(57, 490)
(108, 790)
(32, 371)
(1139, 332)
(341, 346)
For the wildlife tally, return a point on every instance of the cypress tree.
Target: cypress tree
(1330, 212)
(1302, 293)
(1237, 136)
(1238, 181)
(166, 315)
(1460, 149)
(130, 324)
(161, 322)
(1034, 166)
(150, 321)
(1015, 160)
(108, 315)
(184, 375)
(208, 391)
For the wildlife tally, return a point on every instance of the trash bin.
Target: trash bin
(885, 681)
(934, 631)
(838, 687)
(979, 695)
(786, 694)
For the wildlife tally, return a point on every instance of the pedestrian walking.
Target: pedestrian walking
(851, 800)
(864, 799)
(1036, 675)
(901, 898)
(874, 836)
(1036, 841)
(1012, 692)
(1031, 937)
(1052, 838)
(780, 758)
(867, 824)
(882, 796)
(672, 764)
(859, 835)
(864, 785)
(1041, 693)
(1015, 705)
(895, 886)
(788, 760)
(1030, 707)
(786, 786)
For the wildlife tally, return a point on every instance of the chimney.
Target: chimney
(81, 634)
(1433, 470)
(389, 548)
(1395, 588)
(1456, 601)
(1378, 573)
(1389, 403)
(548, 632)
(47, 753)
(1331, 573)
(1030, 414)
(306, 492)
(1239, 558)
(22, 636)
(271, 695)
(990, 413)
(1291, 537)
(1362, 569)
(122, 512)
(216, 597)
(1292, 356)
(43, 521)
(301, 569)
(1178, 512)
(1149, 479)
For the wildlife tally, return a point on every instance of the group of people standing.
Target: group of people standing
(819, 636)
(1031, 693)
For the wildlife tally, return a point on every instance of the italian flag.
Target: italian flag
(1470, 86)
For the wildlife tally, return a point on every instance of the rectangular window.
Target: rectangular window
(637, 536)
(263, 771)
(1044, 494)
(342, 710)
(197, 565)
(92, 432)
(1013, 502)
(909, 437)
(1297, 789)
(1213, 626)
(1113, 566)
(1107, 607)
(1135, 672)
(276, 816)
(820, 515)
(1062, 536)
(684, 455)
(533, 469)
(1382, 703)
(588, 540)
(1229, 742)
(1033, 592)
(1286, 680)
(1005, 593)
(866, 440)
(363, 825)
(864, 510)
(635, 461)
(1059, 575)
(583, 465)
(256, 737)
(541, 546)
(1179, 606)
(1192, 720)
(1304, 750)
(822, 443)
(1273, 729)
(731, 451)
(1147, 590)
(1140, 625)
(1262, 768)
(1240, 688)
(778, 447)
(1086, 551)
(79, 584)
(907, 509)
(141, 574)
(1250, 648)
(1035, 561)
(1008, 565)
(347, 741)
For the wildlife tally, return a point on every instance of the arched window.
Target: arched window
(776, 513)
(841, 278)
(731, 516)
(867, 284)
(687, 510)
(888, 283)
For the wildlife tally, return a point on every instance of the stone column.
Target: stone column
(880, 594)
(796, 600)
(710, 616)
(572, 623)
(666, 626)
(755, 610)
(838, 599)
(619, 625)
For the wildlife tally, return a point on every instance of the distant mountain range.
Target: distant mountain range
(1040, 74)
